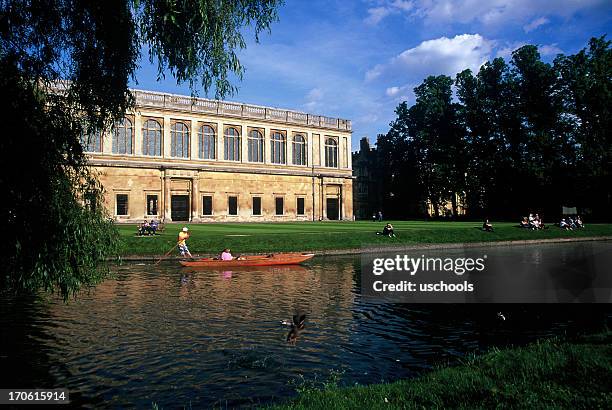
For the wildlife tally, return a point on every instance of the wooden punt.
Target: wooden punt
(250, 260)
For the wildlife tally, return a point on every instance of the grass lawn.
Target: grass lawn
(548, 374)
(317, 236)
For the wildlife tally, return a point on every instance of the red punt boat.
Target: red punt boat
(251, 260)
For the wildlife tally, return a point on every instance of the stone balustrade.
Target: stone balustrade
(151, 99)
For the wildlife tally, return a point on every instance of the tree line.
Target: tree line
(516, 137)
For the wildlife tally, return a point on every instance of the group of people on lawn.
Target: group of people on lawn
(535, 222)
(148, 228)
(570, 223)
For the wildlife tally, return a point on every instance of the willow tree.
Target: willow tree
(55, 237)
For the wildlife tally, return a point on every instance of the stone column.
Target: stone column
(166, 138)
(323, 201)
(244, 153)
(194, 143)
(219, 141)
(195, 199)
(167, 199)
(137, 147)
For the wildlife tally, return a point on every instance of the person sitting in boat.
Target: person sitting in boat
(226, 255)
(182, 242)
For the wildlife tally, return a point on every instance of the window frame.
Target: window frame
(145, 135)
(282, 150)
(282, 199)
(258, 142)
(297, 206)
(303, 150)
(236, 144)
(115, 142)
(253, 198)
(98, 141)
(212, 207)
(184, 136)
(333, 149)
(156, 195)
(201, 136)
(127, 204)
(229, 208)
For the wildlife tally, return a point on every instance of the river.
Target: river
(179, 337)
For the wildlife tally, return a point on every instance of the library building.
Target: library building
(178, 158)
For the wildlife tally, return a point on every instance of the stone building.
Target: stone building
(177, 158)
(367, 192)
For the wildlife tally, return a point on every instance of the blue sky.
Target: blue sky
(359, 59)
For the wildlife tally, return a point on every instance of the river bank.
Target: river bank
(556, 372)
(335, 238)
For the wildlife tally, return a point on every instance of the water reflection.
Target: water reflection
(177, 336)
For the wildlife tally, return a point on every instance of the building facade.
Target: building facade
(178, 158)
(367, 187)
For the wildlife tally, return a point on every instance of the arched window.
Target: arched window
(123, 134)
(331, 153)
(277, 148)
(179, 143)
(91, 142)
(151, 138)
(206, 135)
(231, 144)
(299, 150)
(256, 146)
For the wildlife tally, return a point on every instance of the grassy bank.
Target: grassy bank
(317, 236)
(548, 374)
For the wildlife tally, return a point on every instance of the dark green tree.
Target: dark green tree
(585, 86)
(55, 235)
(436, 141)
(401, 193)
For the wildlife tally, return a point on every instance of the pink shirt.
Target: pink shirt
(226, 256)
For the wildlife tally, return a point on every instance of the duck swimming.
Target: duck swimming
(296, 327)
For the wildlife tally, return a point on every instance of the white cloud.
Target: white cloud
(505, 52)
(376, 14)
(434, 57)
(535, 24)
(550, 50)
(392, 91)
(387, 8)
(488, 12)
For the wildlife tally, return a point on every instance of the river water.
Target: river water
(180, 337)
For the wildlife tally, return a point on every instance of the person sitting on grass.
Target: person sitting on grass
(487, 226)
(387, 231)
(153, 226)
(143, 228)
(525, 223)
(564, 225)
(579, 222)
(539, 222)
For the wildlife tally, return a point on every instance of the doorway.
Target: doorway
(333, 209)
(179, 207)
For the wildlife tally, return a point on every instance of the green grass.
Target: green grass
(548, 374)
(317, 236)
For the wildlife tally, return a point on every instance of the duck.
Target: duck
(296, 327)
